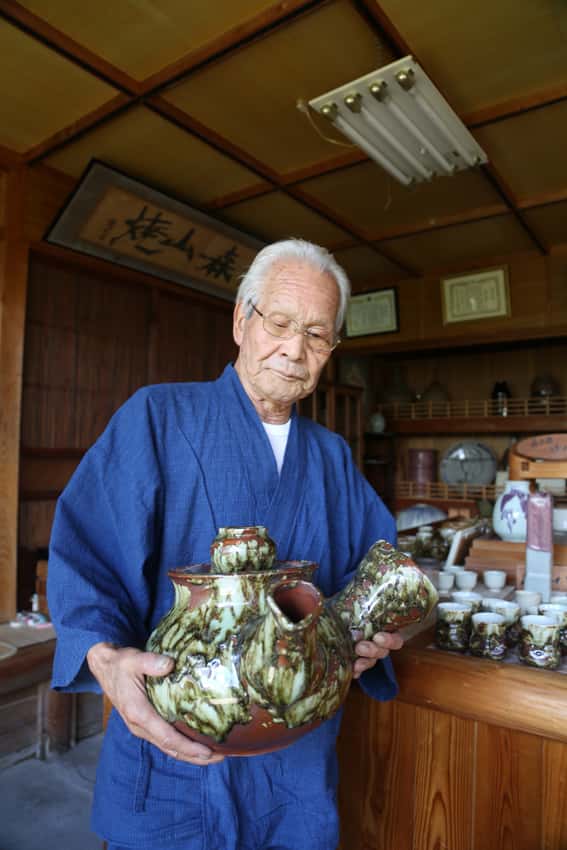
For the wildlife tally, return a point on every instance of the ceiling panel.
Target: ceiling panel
(367, 269)
(143, 145)
(487, 52)
(550, 223)
(41, 92)
(379, 206)
(461, 245)
(250, 97)
(529, 151)
(277, 216)
(141, 38)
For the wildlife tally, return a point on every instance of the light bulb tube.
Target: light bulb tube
(421, 101)
(372, 152)
(443, 163)
(396, 144)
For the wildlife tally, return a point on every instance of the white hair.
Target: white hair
(256, 278)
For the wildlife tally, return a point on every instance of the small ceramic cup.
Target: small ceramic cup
(468, 597)
(494, 579)
(488, 636)
(466, 579)
(510, 611)
(559, 613)
(539, 641)
(527, 599)
(445, 580)
(453, 626)
(455, 568)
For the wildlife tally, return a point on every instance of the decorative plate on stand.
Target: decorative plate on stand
(468, 462)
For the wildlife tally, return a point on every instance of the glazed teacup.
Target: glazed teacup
(466, 579)
(468, 597)
(455, 568)
(510, 611)
(559, 613)
(539, 641)
(453, 626)
(494, 579)
(445, 580)
(488, 635)
(526, 599)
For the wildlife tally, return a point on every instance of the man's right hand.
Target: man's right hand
(120, 673)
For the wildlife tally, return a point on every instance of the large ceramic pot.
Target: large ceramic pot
(509, 517)
(261, 657)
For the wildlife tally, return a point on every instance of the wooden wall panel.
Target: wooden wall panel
(554, 796)
(112, 352)
(508, 789)
(13, 291)
(444, 781)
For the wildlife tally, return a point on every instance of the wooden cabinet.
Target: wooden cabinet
(472, 755)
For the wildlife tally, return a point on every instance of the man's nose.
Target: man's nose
(295, 346)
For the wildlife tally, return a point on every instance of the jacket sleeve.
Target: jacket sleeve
(103, 545)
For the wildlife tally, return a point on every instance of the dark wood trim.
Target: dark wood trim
(341, 162)
(13, 296)
(380, 22)
(66, 258)
(514, 107)
(247, 194)
(74, 131)
(315, 205)
(442, 222)
(263, 23)
(9, 158)
(379, 345)
(498, 183)
(185, 122)
(29, 666)
(480, 425)
(70, 49)
(546, 199)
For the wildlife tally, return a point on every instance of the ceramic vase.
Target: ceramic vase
(260, 656)
(509, 517)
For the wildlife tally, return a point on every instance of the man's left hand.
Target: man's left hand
(370, 651)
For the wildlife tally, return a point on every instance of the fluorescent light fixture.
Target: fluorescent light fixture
(398, 117)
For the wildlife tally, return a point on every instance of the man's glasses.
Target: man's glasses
(281, 326)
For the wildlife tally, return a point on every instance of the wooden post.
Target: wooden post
(14, 251)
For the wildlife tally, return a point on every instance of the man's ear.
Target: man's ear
(239, 319)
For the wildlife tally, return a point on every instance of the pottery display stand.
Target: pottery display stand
(494, 554)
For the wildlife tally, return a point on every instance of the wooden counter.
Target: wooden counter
(472, 755)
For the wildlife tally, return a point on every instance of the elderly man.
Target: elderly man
(175, 463)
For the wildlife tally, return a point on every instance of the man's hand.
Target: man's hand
(370, 651)
(120, 673)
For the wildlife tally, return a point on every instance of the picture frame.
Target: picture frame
(479, 295)
(373, 313)
(114, 217)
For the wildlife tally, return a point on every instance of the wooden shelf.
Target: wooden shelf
(523, 415)
(436, 490)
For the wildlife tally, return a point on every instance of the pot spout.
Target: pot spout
(387, 592)
(279, 656)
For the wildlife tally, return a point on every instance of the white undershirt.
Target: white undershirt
(277, 435)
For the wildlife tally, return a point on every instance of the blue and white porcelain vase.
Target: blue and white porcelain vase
(509, 517)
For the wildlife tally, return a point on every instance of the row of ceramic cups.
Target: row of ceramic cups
(489, 627)
(467, 579)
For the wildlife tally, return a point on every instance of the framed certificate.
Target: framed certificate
(373, 313)
(481, 295)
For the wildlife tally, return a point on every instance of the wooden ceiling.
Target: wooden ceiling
(199, 100)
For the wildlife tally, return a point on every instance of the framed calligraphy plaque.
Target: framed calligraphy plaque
(372, 313)
(481, 295)
(116, 218)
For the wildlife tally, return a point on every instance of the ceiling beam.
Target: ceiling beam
(505, 193)
(516, 106)
(37, 28)
(263, 23)
(120, 103)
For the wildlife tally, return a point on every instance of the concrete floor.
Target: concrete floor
(45, 805)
